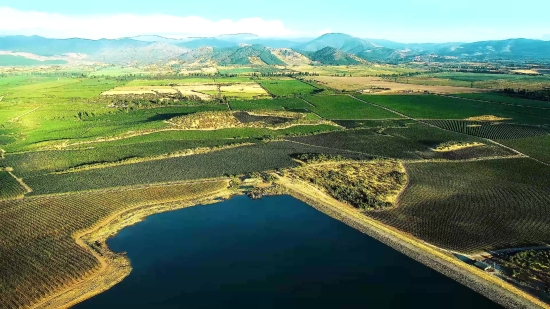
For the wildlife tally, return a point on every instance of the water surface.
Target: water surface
(272, 253)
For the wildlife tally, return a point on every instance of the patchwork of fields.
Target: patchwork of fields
(129, 142)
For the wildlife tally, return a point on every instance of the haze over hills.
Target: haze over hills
(246, 49)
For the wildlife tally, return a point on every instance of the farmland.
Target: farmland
(503, 208)
(284, 88)
(437, 107)
(77, 148)
(346, 107)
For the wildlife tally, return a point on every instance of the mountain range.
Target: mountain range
(247, 49)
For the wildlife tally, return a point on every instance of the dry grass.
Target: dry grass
(453, 146)
(487, 118)
(141, 90)
(379, 85)
(365, 185)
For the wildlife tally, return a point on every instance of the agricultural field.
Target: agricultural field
(269, 156)
(506, 99)
(10, 186)
(381, 85)
(439, 107)
(474, 206)
(535, 147)
(285, 88)
(417, 141)
(50, 259)
(346, 108)
(477, 80)
(123, 138)
(289, 104)
(491, 130)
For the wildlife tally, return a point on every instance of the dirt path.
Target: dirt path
(17, 118)
(481, 282)
(20, 181)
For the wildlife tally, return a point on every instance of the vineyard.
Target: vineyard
(536, 147)
(346, 107)
(439, 107)
(414, 142)
(284, 88)
(491, 130)
(10, 187)
(475, 206)
(38, 253)
(290, 104)
(501, 98)
(266, 156)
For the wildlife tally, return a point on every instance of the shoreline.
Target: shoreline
(486, 284)
(114, 267)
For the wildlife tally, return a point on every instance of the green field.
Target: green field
(502, 98)
(473, 206)
(438, 107)
(275, 104)
(536, 147)
(479, 80)
(346, 107)
(285, 88)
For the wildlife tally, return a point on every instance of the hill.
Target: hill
(251, 54)
(333, 56)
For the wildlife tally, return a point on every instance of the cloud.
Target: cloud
(52, 25)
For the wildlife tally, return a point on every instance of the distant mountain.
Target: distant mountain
(51, 47)
(237, 37)
(343, 42)
(512, 49)
(207, 42)
(249, 49)
(153, 53)
(333, 56)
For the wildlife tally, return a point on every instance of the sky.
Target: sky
(399, 20)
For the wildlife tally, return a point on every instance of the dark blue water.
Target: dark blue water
(272, 253)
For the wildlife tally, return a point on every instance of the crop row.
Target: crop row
(9, 187)
(489, 130)
(241, 160)
(475, 206)
(346, 107)
(38, 255)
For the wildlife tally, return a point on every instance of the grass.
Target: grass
(39, 254)
(188, 80)
(415, 142)
(346, 107)
(474, 206)
(267, 156)
(384, 123)
(275, 104)
(437, 107)
(10, 187)
(536, 147)
(285, 88)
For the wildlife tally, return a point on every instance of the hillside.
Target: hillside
(243, 55)
(333, 56)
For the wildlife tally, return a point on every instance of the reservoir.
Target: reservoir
(276, 252)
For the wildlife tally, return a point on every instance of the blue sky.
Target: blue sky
(406, 21)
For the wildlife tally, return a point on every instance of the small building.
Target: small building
(484, 266)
